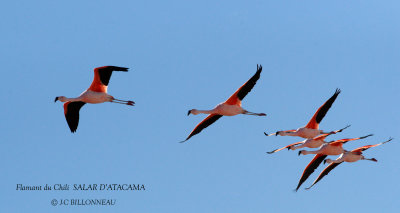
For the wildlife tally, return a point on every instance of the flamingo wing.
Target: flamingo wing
(102, 77)
(342, 141)
(314, 163)
(204, 124)
(363, 148)
(71, 112)
(323, 136)
(325, 172)
(321, 112)
(286, 147)
(238, 96)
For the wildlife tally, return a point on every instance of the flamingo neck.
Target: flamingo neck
(65, 99)
(196, 111)
(305, 152)
(284, 133)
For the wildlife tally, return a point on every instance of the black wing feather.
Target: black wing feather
(72, 115)
(204, 124)
(105, 73)
(327, 105)
(325, 172)
(315, 162)
(248, 86)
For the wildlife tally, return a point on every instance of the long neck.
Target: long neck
(203, 111)
(305, 152)
(284, 133)
(70, 99)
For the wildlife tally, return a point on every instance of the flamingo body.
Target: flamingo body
(93, 97)
(309, 143)
(302, 132)
(347, 157)
(221, 109)
(326, 149)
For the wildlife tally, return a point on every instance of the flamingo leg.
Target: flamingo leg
(130, 103)
(371, 159)
(253, 113)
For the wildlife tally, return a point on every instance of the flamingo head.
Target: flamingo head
(60, 98)
(193, 111)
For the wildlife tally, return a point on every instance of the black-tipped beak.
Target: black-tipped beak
(324, 161)
(299, 153)
(190, 111)
(277, 133)
(56, 99)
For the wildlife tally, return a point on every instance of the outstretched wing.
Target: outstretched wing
(325, 172)
(314, 163)
(102, 76)
(342, 141)
(71, 112)
(321, 112)
(286, 147)
(323, 136)
(363, 148)
(203, 124)
(238, 96)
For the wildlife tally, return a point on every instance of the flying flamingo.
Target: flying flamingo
(330, 148)
(231, 107)
(95, 94)
(312, 128)
(347, 156)
(309, 142)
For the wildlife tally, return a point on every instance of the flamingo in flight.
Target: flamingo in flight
(95, 94)
(309, 142)
(330, 148)
(231, 107)
(347, 156)
(312, 128)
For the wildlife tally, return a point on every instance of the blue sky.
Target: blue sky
(195, 54)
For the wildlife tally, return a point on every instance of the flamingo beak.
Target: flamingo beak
(56, 99)
(277, 133)
(324, 161)
(373, 159)
(190, 111)
(299, 153)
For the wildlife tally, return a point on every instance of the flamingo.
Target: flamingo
(347, 156)
(95, 94)
(312, 128)
(309, 142)
(330, 148)
(231, 107)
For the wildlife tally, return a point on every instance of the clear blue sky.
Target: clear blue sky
(195, 54)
